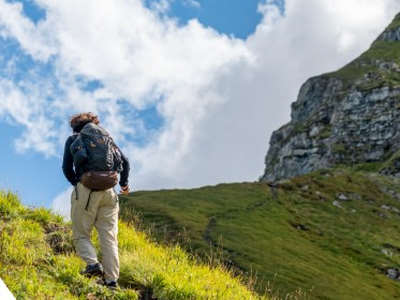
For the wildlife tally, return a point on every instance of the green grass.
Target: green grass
(37, 261)
(289, 237)
(390, 163)
(380, 50)
(396, 23)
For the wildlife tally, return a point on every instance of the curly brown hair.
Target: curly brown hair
(79, 120)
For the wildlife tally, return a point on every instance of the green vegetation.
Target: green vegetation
(339, 148)
(366, 63)
(325, 132)
(384, 51)
(369, 167)
(392, 159)
(395, 24)
(37, 262)
(292, 235)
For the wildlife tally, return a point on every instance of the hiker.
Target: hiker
(91, 164)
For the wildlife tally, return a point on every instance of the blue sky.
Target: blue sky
(37, 178)
(31, 10)
(191, 90)
(236, 17)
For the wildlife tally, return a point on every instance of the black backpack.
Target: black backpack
(95, 150)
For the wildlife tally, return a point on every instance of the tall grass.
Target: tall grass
(37, 261)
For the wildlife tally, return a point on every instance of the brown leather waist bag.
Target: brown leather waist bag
(100, 180)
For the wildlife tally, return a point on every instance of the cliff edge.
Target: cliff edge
(346, 117)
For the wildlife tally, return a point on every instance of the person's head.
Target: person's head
(79, 120)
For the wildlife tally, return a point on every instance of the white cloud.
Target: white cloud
(28, 111)
(311, 38)
(33, 39)
(220, 97)
(161, 6)
(192, 3)
(62, 204)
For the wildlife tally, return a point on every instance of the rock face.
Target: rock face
(390, 35)
(346, 117)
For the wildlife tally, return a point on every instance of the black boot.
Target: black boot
(93, 270)
(112, 285)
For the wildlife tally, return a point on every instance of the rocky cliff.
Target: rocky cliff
(347, 117)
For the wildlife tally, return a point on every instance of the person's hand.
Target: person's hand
(125, 190)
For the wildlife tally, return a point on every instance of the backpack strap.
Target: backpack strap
(88, 200)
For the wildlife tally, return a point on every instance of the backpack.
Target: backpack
(95, 152)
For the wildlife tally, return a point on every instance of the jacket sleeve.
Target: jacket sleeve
(68, 163)
(125, 171)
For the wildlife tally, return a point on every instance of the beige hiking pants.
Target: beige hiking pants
(98, 209)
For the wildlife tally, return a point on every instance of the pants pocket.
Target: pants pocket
(88, 201)
(113, 198)
(73, 195)
(116, 197)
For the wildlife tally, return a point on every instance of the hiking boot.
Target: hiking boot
(112, 285)
(93, 270)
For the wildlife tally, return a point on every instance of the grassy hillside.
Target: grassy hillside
(37, 261)
(333, 233)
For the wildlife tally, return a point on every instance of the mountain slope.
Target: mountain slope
(37, 261)
(333, 233)
(346, 117)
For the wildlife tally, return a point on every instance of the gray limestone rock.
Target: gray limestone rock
(391, 35)
(393, 273)
(387, 252)
(340, 121)
(342, 197)
(337, 204)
